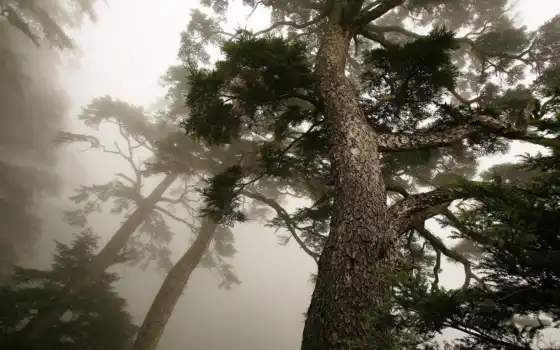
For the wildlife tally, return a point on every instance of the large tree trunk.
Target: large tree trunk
(351, 294)
(41, 323)
(172, 288)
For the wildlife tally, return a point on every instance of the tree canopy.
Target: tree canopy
(404, 117)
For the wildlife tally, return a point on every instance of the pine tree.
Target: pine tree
(517, 232)
(97, 316)
(407, 110)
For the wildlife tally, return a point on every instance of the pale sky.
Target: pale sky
(124, 54)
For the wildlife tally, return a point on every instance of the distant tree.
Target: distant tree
(144, 233)
(97, 317)
(32, 109)
(404, 117)
(220, 166)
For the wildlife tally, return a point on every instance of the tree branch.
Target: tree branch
(324, 13)
(383, 6)
(423, 206)
(417, 222)
(463, 40)
(395, 142)
(283, 214)
(439, 246)
(175, 217)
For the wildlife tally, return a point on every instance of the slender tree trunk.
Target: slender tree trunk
(350, 293)
(172, 288)
(41, 323)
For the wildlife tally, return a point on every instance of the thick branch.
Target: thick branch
(428, 204)
(408, 209)
(283, 214)
(447, 136)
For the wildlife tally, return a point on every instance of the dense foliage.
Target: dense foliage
(436, 103)
(515, 301)
(97, 317)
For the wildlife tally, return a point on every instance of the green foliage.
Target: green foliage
(416, 75)
(409, 83)
(245, 87)
(97, 318)
(222, 196)
(519, 264)
(518, 239)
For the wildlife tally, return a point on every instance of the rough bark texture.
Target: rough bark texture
(446, 137)
(350, 286)
(46, 318)
(172, 288)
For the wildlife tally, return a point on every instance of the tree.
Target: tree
(517, 233)
(213, 228)
(143, 213)
(28, 74)
(97, 317)
(409, 95)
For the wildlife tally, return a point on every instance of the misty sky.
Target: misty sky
(124, 54)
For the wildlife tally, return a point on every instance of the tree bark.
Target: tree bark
(172, 288)
(47, 317)
(351, 294)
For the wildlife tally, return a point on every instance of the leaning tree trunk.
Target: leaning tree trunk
(46, 318)
(172, 288)
(351, 295)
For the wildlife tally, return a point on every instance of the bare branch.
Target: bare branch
(125, 177)
(283, 214)
(175, 217)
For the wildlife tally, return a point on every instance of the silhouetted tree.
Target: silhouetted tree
(406, 110)
(97, 317)
(143, 213)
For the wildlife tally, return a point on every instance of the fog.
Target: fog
(123, 54)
